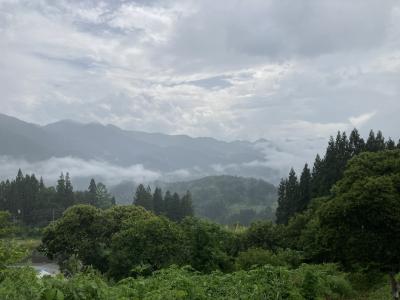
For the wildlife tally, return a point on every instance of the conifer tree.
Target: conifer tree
(356, 143)
(304, 189)
(288, 200)
(69, 192)
(158, 201)
(283, 205)
(380, 141)
(186, 206)
(390, 144)
(370, 146)
(167, 202)
(143, 197)
(92, 193)
(316, 181)
(173, 207)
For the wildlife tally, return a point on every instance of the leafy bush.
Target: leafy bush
(267, 282)
(254, 257)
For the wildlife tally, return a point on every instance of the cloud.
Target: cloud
(290, 72)
(51, 169)
(360, 120)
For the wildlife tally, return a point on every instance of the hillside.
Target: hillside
(224, 199)
(171, 157)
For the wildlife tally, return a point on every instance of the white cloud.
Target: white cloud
(360, 120)
(293, 73)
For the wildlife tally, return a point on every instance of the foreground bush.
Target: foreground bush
(268, 282)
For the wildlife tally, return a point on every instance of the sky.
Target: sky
(289, 71)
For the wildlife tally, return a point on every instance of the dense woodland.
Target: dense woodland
(336, 237)
(223, 199)
(295, 194)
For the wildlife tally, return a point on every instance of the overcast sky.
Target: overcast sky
(281, 70)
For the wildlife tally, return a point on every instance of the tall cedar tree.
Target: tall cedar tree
(158, 201)
(283, 205)
(143, 197)
(69, 192)
(92, 189)
(186, 206)
(287, 200)
(328, 170)
(305, 190)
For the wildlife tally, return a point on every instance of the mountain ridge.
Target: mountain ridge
(199, 156)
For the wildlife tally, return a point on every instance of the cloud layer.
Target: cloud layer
(290, 72)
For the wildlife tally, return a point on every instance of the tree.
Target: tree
(186, 206)
(360, 226)
(158, 201)
(143, 197)
(92, 190)
(356, 143)
(173, 209)
(104, 198)
(150, 244)
(390, 144)
(304, 190)
(78, 232)
(282, 211)
(69, 192)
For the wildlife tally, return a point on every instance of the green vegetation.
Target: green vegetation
(339, 245)
(223, 199)
(229, 199)
(31, 203)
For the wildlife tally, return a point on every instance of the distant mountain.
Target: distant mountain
(224, 199)
(173, 156)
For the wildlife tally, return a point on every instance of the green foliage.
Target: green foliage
(207, 246)
(253, 257)
(11, 252)
(229, 199)
(293, 196)
(153, 242)
(143, 197)
(180, 283)
(264, 235)
(359, 226)
(85, 232)
(31, 203)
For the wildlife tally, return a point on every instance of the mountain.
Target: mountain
(224, 199)
(174, 157)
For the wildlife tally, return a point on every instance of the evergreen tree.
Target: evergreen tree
(69, 192)
(186, 206)
(167, 202)
(370, 146)
(304, 189)
(380, 141)
(356, 143)
(92, 193)
(143, 197)
(316, 181)
(282, 209)
(60, 189)
(158, 201)
(175, 209)
(390, 144)
(104, 199)
(292, 193)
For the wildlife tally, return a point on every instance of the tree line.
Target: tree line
(173, 206)
(294, 194)
(31, 202)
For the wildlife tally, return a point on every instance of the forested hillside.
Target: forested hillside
(223, 199)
